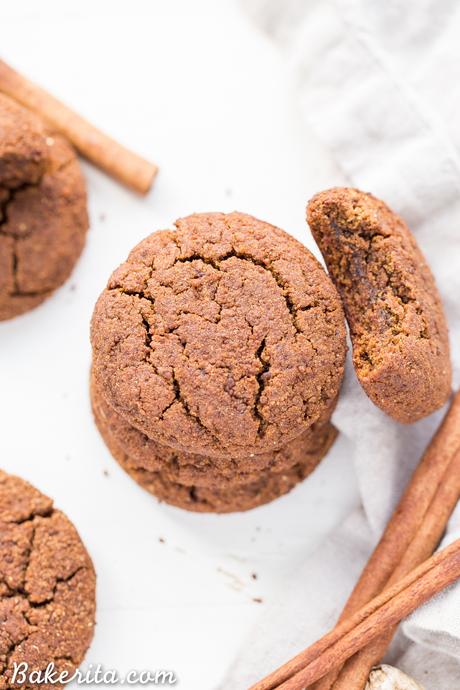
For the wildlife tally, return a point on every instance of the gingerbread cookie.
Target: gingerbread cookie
(229, 497)
(223, 337)
(43, 217)
(397, 323)
(47, 584)
(191, 469)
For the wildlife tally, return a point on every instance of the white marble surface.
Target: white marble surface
(195, 87)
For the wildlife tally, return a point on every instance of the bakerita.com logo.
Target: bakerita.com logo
(94, 674)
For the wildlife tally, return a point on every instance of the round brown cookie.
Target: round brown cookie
(47, 585)
(397, 323)
(223, 337)
(192, 469)
(43, 217)
(227, 498)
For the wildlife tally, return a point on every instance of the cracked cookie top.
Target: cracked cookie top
(397, 322)
(47, 584)
(43, 218)
(223, 336)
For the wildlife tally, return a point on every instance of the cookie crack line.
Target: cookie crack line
(292, 309)
(48, 604)
(12, 649)
(21, 593)
(4, 205)
(257, 414)
(9, 199)
(10, 196)
(21, 590)
(31, 516)
(261, 378)
(15, 646)
(216, 264)
(58, 581)
(6, 665)
(178, 397)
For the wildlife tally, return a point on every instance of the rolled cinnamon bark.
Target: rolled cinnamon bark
(355, 673)
(380, 614)
(406, 520)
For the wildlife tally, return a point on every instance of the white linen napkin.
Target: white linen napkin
(379, 83)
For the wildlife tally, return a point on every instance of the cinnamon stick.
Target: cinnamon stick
(355, 672)
(417, 523)
(405, 520)
(381, 614)
(106, 153)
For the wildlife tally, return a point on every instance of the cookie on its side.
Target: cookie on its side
(199, 470)
(396, 319)
(43, 217)
(230, 496)
(223, 337)
(47, 584)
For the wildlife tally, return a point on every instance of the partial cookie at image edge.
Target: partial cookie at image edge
(43, 215)
(47, 584)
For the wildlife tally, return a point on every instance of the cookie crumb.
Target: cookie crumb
(258, 600)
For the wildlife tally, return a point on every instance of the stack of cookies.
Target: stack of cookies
(218, 354)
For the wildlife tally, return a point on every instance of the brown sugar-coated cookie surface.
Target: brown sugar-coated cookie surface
(396, 319)
(222, 337)
(43, 217)
(47, 584)
(199, 470)
(229, 497)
